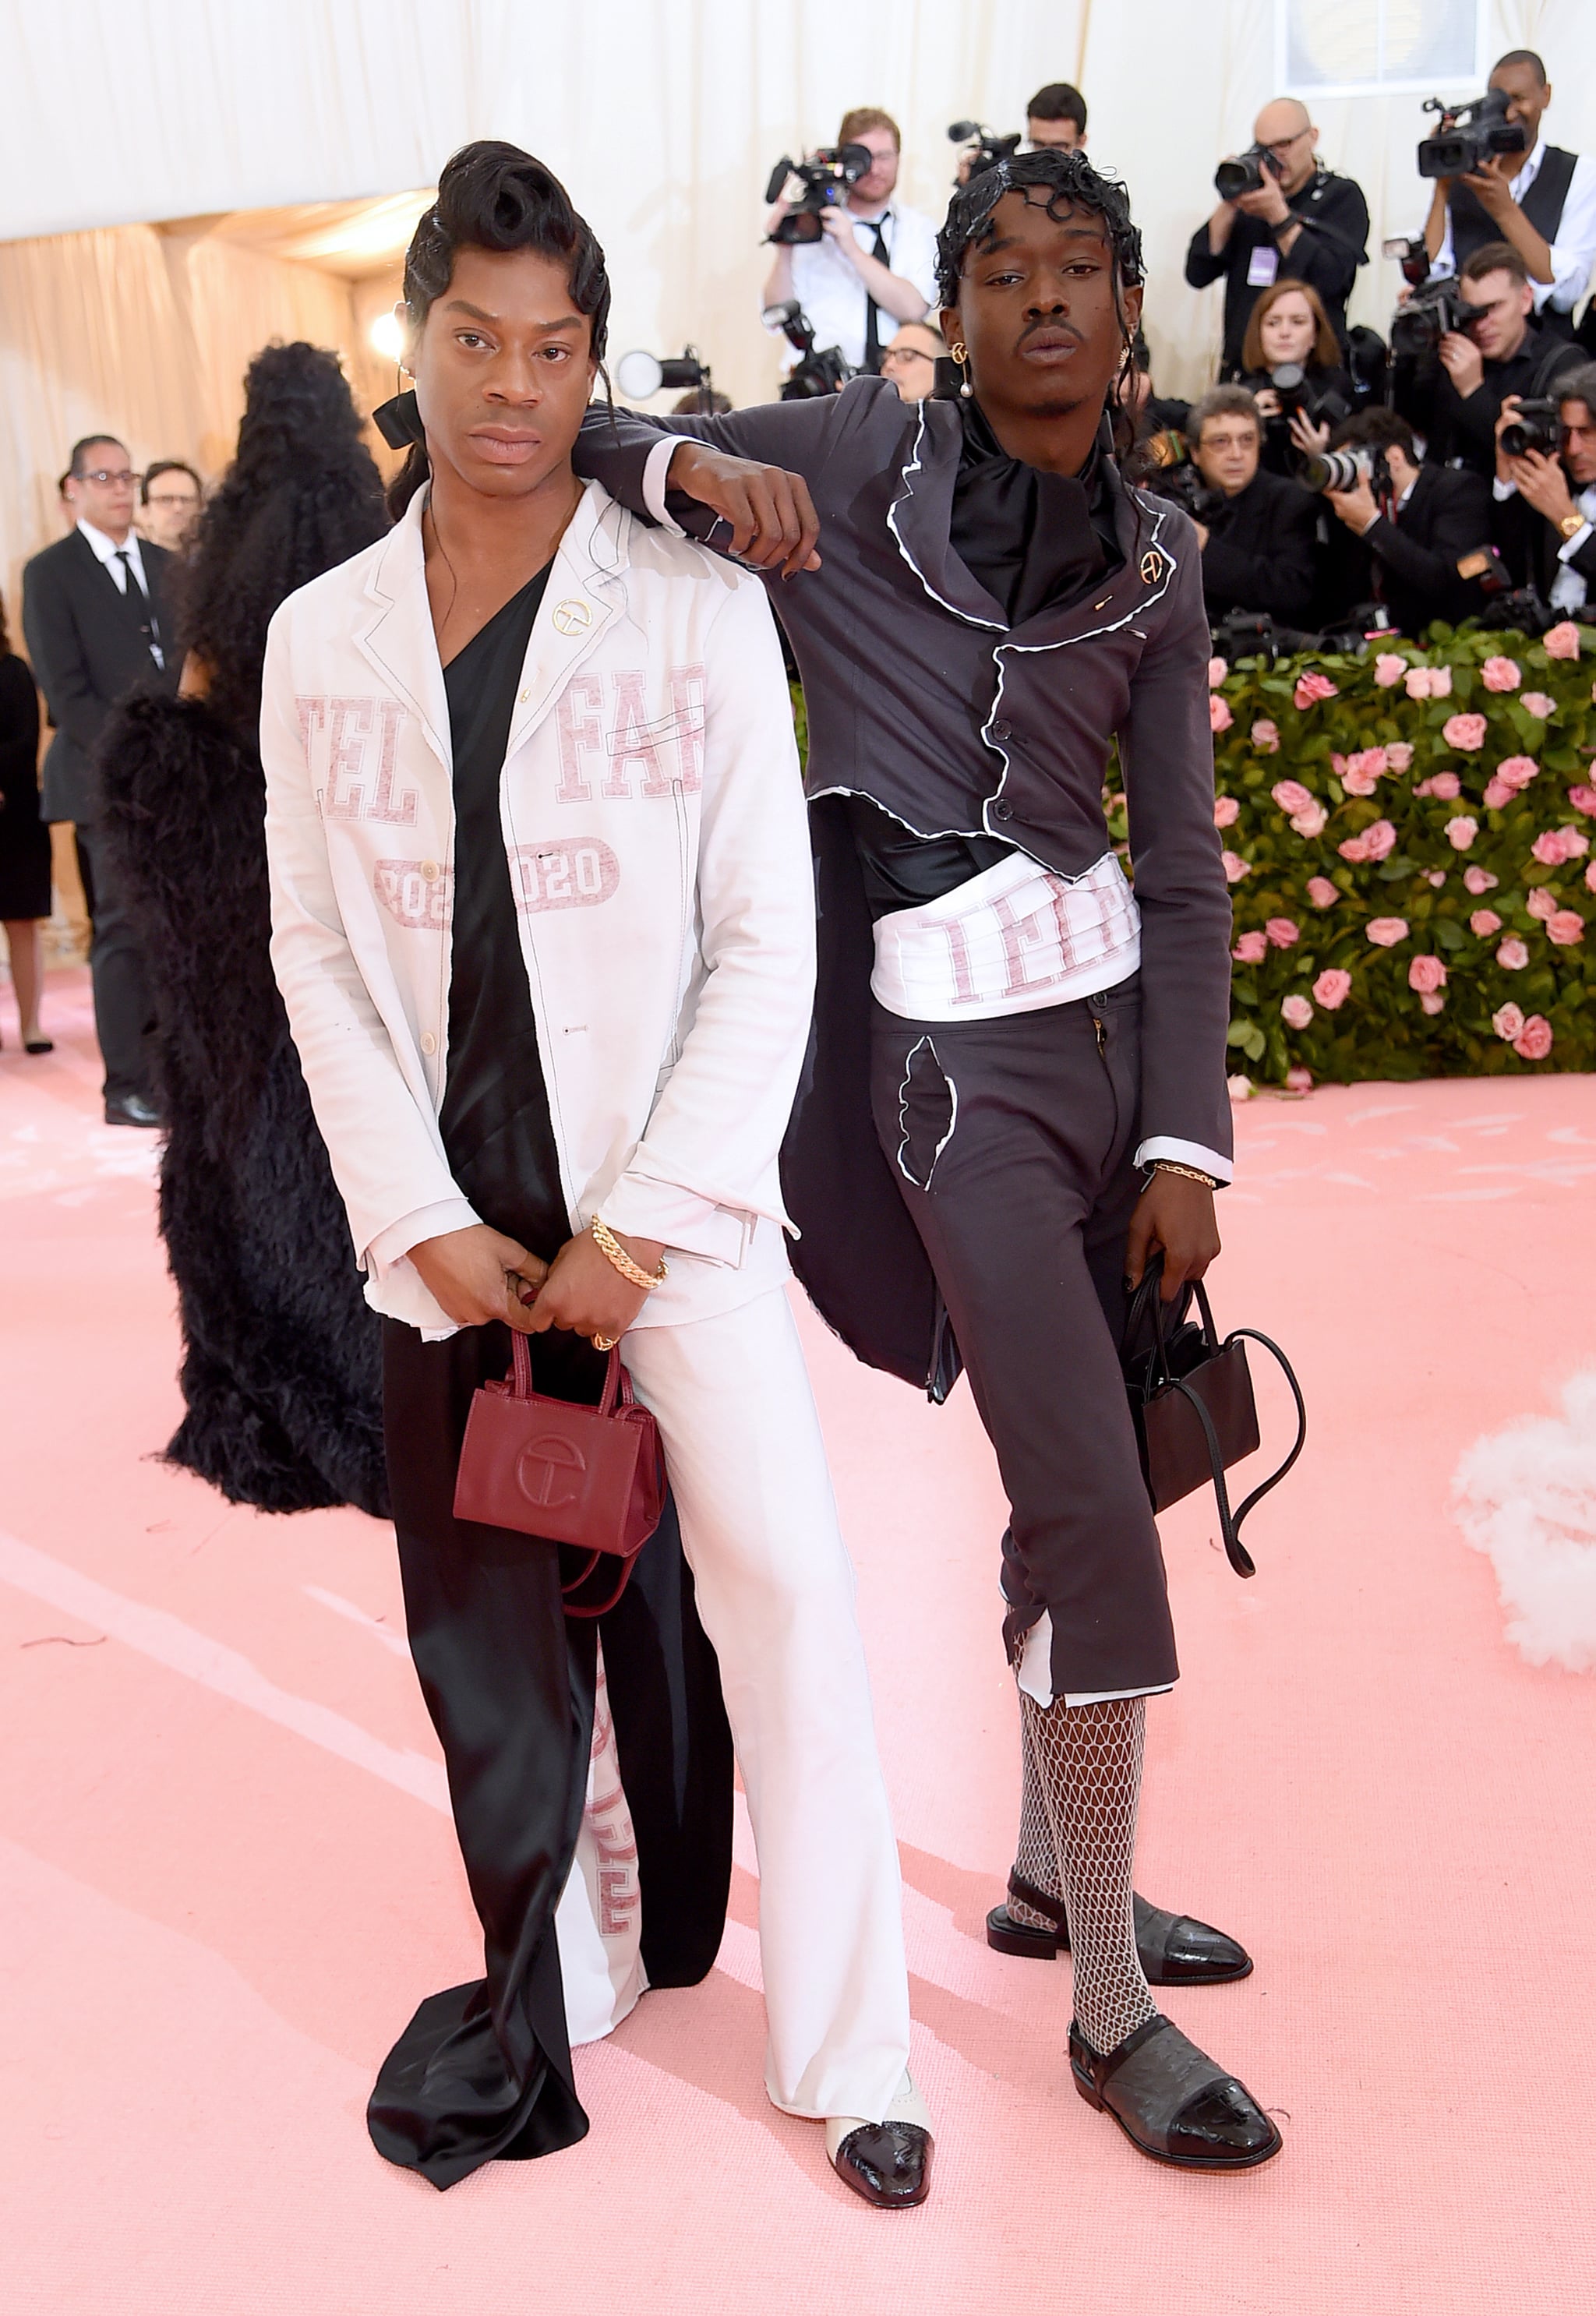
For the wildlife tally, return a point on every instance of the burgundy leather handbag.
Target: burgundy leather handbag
(591, 1477)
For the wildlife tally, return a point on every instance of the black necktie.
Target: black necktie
(872, 312)
(149, 626)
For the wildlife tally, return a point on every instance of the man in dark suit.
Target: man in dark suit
(1258, 552)
(1545, 504)
(1405, 529)
(95, 611)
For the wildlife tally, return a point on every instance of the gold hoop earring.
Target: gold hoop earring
(960, 354)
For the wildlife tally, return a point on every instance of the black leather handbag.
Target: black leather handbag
(1191, 1402)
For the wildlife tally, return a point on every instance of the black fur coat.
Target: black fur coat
(281, 1366)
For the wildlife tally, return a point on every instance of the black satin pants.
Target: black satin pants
(484, 2069)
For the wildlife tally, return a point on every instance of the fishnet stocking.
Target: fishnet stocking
(1087, 1762)
(1036, 1860)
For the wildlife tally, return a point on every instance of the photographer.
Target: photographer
(1541, 201)
(875, 263)
(1291, 367)
(1404, 529)
(1547, 501)
(1258, 549)
(1056, 116)
(1455, 398)
(1298, 222)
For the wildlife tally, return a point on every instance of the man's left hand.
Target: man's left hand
(1357, 508)
(1268, 202)
(837, 224)
(1173, 1215)
(1463, 363)
(584, 1291)
(1491, 186)
(1542, 481)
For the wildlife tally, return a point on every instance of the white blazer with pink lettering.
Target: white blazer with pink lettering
(655, 827)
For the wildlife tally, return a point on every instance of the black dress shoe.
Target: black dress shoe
(1175, 1949)
(38, 1045)
(1171, 2102)
(886, 2163)
(131, 1109)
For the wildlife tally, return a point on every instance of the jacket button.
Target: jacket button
(429, 870)
(429, 1044)
(1003, 809)
(1001, 731)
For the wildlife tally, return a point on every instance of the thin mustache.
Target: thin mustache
(1065, 329)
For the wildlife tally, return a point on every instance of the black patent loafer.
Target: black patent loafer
(1175, 1949)
(131, 1109)
(1171, 2101)
(886, 2163)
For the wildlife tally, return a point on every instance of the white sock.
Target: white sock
(905, 2106)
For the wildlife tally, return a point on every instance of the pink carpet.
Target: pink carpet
(228, 1879)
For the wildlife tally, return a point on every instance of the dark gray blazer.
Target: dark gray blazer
(920, 696)
(88, 652)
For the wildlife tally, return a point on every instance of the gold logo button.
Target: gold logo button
(1153, 567)
(571, 617)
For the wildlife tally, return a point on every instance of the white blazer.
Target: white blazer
(654, 825)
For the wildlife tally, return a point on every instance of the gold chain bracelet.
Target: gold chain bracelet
(1187, 1173)
(610, 1246)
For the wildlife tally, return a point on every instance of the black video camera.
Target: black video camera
(1536, 424)
(1469, 135)
(1244, 173)
(1432, 312)
(827, 177)
(987, 149)
(813, 373)
(1253, 635)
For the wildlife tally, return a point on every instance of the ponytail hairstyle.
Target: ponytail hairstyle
(494, 196)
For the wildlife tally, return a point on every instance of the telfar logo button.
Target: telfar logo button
(541, 1471)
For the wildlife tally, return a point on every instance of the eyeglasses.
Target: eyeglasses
(173, 498)
(124, 477)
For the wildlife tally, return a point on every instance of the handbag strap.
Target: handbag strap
(618, 1383)
(1277, 1475)
(1230, 1522)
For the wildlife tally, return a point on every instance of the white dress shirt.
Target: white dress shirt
(109, 554)
(1573, 252)
(830, 290)
(1569, 591)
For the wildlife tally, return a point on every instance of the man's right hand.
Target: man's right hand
(477, 1275)
(772, 518)
(1463, 363)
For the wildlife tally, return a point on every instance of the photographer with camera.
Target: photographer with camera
(1056, 116)
(1450, 387)
(1546, 491)
(1258, 541)
(1291, 367)
(1281, 216)
(870, 262)
(1538, 198)
(1404, 526)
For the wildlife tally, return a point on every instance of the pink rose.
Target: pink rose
(1436, 877)
(1377, 842)
(1299, 1081)
(1517, 772)
(1311, 823)
(1566, 928)
(1432, 1000)
(1356, 778)
(1512, 956)
(1227, 812)
(1426, 975)
(1508, 1021)
(1311, 687)
(1389, 668)
(1462, 832)
(1541, 902)
(1235, 868)
(1250, 949)
(1497, 675)
(1591, 877)
(1266, 735)
(1296, 1012)
(1291, 795)
(1498, 796)
(1446, 786)
(1538, 703)
(1562, 642)
(1322, 894)
(1480, 881)
(1239, 1086)
(1220, 718)
(1418, 683)
(1465, 731)
(1582, 799)
(1534, 1040)
(1484, 923)
(1440, 684)
(1218, 668)
(1386, 931)
(1282, 933)
(1399, 755)
(1333, 989)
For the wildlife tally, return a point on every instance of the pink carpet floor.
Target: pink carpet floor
(227, 1877)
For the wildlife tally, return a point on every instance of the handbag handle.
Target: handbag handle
(618, 1383)
(1230, 1522)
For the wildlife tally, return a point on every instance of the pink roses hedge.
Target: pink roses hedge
(1410, 842)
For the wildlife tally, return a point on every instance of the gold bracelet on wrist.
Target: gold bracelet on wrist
(1187, 1173)
(611, 1248)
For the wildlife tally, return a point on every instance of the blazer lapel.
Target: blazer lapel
(397, 635)
(586, 588)
(1145, 574)
(921, 518)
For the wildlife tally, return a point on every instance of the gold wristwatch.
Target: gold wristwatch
(1570, 525)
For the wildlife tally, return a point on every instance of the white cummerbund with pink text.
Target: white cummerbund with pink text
(1010, 940)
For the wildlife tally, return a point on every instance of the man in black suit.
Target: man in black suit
(1454, 396)
(95, 611)
(1405, 529)
(1545, 504)
(1258, 552)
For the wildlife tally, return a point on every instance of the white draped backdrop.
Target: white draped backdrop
(127, 115)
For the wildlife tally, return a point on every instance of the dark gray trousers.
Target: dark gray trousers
(124, 1011)
(1012, 1143)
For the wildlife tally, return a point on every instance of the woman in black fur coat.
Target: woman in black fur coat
(282, 1361)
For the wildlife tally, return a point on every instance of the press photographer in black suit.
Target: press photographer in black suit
(1454, 396)
(1546, 503)
(1401, 544)
(96, 615)
(1258, 551)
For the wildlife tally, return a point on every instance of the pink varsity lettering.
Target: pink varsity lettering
(578, 730)
(687, 701)
(958, 951)
(1022, 935)
(349, 791)
(575, 872)
(630, 740)
(420, 903)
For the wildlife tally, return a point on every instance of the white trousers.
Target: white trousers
(776, 1594)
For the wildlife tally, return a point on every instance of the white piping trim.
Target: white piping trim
(905, 474)
(902, 1114)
